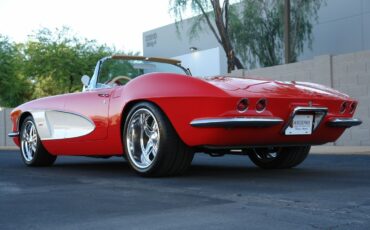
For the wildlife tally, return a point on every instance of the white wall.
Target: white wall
(5, 127)
(202, 62)
(343, 26)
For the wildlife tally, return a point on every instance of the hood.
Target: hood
(285, 89)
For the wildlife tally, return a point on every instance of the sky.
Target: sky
(118, 23)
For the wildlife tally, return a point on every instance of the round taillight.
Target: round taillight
(261, 105)
(352, 108)
(242, 105)
(343, 107)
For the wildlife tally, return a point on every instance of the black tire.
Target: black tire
(279, 157)
(172, 156)
(33, 152)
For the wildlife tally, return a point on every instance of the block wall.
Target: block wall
(348, 73)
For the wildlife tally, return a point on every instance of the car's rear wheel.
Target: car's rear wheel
(152, 146)
(32, 151)
(279, 157)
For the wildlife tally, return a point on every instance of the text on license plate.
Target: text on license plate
(301, 125)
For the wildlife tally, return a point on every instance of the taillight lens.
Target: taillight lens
(242, 105)
(343, 107)
(352, 108)
(261, 105)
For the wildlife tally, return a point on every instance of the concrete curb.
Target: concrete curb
(9, 148)
(344, 150)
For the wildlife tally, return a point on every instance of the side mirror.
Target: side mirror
(85, 80)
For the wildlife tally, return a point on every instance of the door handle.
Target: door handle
(103, 94)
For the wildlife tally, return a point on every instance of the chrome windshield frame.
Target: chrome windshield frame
(94, 78)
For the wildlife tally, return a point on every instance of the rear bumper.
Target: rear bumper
(236, 122)
(240, 122)
(344, 122)
(262, 131)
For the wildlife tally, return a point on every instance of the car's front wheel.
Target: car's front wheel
(279, 157)
(32, 151)
(152, 146)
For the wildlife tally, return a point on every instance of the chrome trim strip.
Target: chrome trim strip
(94, 79)
(344, 122)
(13, 134)
(301, 109)
(236, 122)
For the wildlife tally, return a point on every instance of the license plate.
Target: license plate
(301, 125)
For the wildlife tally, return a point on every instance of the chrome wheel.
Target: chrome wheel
(152, 146)
(29, 141)
(142, 138)
(32, 151)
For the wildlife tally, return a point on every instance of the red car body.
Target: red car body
(203, 111)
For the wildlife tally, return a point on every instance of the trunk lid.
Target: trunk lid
(273, 88)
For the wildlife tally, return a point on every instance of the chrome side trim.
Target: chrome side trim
(54, 124)
(13, 134)
(320, 113)
(236, 122)
(344, 122)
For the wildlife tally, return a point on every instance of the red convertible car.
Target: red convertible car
(156, 115)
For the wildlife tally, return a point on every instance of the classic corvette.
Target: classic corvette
(156, 115)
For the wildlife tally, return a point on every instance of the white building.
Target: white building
(343, 26)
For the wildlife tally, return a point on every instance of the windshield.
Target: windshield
(115, 72)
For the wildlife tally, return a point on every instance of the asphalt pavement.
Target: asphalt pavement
(330, 190)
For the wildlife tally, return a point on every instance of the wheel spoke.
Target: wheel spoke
(29, 151)
(149, 147)
(34, 135)
(147, 130)
(34, 147)
(144, 159)
(155, 127)
(142, 119)
(26, 149)
(154, 150)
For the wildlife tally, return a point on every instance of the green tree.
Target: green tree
(251, 30)
(51, 62)
(14, 86)
(215, 15)
(56, 60)
(257, 29)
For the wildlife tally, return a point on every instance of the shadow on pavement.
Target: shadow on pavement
(316, 167)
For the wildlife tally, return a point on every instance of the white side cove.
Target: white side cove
(53, 125)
